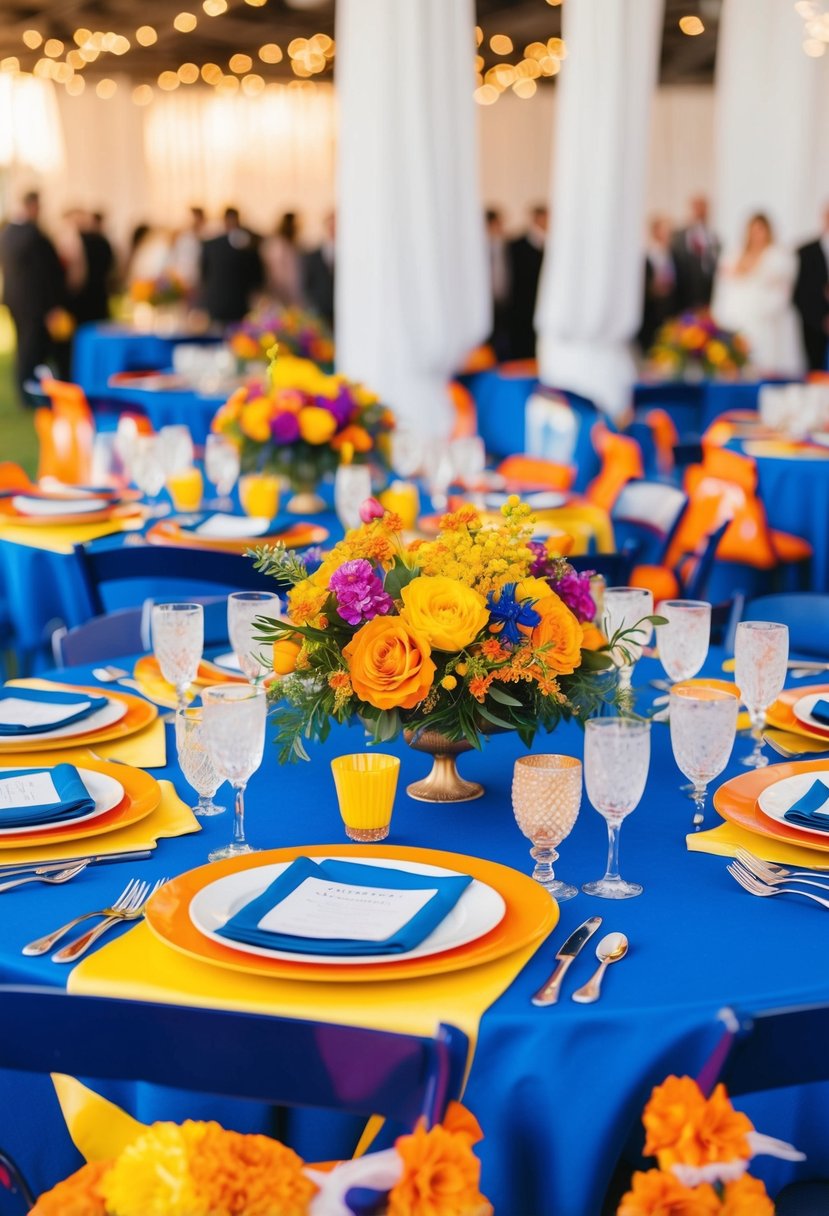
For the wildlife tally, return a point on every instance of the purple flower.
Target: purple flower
(574, 589)
(543, 565)
(359, 592)
(285, 428)
(341, 406)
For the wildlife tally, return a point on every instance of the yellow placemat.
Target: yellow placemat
(724, 841)
(63, 538)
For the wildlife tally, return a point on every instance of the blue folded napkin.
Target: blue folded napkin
(69, 797)
(331, 877)
(812, 809)
(820, 711)
(77, 705)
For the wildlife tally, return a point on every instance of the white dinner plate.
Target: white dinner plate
(233, 527)
(110, 713)
(776, 799)
(228, 661)
(106, 791)
(802, 710)
(477, 912)
(55, 507)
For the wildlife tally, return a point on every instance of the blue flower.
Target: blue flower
(509, 613)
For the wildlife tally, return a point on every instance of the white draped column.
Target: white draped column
(772, 111)
(412, 292)
(590, 295)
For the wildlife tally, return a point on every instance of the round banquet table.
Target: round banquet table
(557, 1090)
(167, 407)
(102, 350)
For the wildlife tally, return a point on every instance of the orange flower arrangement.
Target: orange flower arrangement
(656, 1194)
(390, 664)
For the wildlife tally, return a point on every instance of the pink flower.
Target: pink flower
(359, 592)
(371, 509)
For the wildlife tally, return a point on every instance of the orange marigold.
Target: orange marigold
(492, 649)
(656, 1194)
(479, 686)
(464, 517)
(746, 1196)
(441, 1176)
(305, 603)
(77, 1195)
(683, 1128)
(246, 1175)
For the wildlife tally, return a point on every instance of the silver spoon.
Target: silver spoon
(610, 949)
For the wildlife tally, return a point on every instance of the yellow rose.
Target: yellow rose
(532, 589)
(290, 372)
(560, 632)
(316, 424)
(448, 613)
(256, 420)
(390, 665)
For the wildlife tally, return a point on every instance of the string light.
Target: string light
(256, 3)
(240, 64)
(168, 81)
(211, 73)
(185, 23)
(692, 26)
(32, 39)
(270, 53)
(486, 95)
(215, 8)
(10, 64)
(500, 44)
(479, 35)
(252, 85)
(63, 73)
(105, 88)
(524, 88)
(188, 73)
(53, 48)
(146, 35)
(43, 69)
(142, 94)
(75, 86)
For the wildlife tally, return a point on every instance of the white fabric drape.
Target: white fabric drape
(590, 294)
(412, 294)
(772, 106)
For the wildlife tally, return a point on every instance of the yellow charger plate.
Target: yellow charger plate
(298, 535)
(736, 801)
(142, 794)
(529, 917)
(140, 714)
(148, 670)
(781, 713)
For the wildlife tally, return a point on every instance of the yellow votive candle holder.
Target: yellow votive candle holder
(366, 784)
(402, 498)
(259, 494)
(186, 488)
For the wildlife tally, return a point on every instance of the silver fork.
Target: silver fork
(773, 874)
(78, 947)
(754, 887)
(52, 880)
(44, 944)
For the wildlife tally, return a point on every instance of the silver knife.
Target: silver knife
(548, 992)
(43, 867)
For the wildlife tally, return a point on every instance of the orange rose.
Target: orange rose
(441, 1175)
(285, 652)
(560, 632)
(390, 664)
(683, 1128)
(657, 1194)
(746, 1197)
(357, 436)
(593, 638)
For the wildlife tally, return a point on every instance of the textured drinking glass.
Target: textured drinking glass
(546, 796)
(234, 719)
(175, 445)
(243, 607)
(761, 652)
(366, 784)
(352, 486)
(147, 470)
(703, 727)
(222, 465)
(617, 753)
(683, 642)
(626, 608)
(178, 644)
(259, 494)
(194, 760)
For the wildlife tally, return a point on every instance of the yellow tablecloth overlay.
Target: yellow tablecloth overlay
(62, 538)
(723, 841)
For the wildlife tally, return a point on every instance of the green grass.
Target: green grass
(17, 434)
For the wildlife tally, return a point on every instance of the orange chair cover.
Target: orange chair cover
(621, 459)
(12, 477)
(466, 415)
(66, 433)
(665, 438)
(532, 472)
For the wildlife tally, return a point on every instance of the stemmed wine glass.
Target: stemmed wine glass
(178, 644)
(703, 728)
(683, 641)
(222, 464)
(617, 754)
(761, 652)
(147, 471)
(234, 720)
(194, 761)
(546, 796)
(626, 608)
(243, 607)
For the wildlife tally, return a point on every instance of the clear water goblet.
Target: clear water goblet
(625, 608)
(147, 471)
(703, 728)
(243, 608)
(176, 448)
(352, 486)
(546, 796)
(178, 645)
(194, 761)
(683, 642)
(222, 464)
(234, 719)
(617, 754)
(761, 652)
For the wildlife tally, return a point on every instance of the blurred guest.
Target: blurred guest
(660, 301)
(33, 286)
(318, 274)
(525, 257)
(282, 258)
(811, 297)
(498, 251)
(148, 256)
(231, 270)
(752, 296)
(185, 255)
(696, 250)
(90, 301)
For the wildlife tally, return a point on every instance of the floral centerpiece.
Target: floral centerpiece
(166, 288)
(447, 640)
(293, 330)
(304, 422)
(693, 346)
(703, 1148)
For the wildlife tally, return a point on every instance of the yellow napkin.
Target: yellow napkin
(62, 538)
(796, 743)
(156, 689)
(728, 837)
(172, 817)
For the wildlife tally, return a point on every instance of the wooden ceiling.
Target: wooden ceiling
(243, 28)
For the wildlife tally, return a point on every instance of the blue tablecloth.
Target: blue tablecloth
(102, 350)
(558, 1090)
(165, 407)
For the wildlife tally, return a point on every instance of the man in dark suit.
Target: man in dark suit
(90, 301)
(318, 274)
(231, 271)
(525, 256)
(811, 297)
(33, 286)
(660, 301)
(696, 251)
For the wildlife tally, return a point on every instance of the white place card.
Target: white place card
(233, 527)
(29, 789)
(321, 909)
(17, 711)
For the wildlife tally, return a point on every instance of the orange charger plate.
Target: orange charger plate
(142, 795)
(781, 713)
(736, 801)
(147, 668)
(119, 511)
(296, 536)
(529, 917)
(140, 713)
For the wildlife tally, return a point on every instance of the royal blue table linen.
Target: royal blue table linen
(812, 809)
(77, 706)
(74, 799)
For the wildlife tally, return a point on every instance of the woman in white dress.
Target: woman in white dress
(753, 296)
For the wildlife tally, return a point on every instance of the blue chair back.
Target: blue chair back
(127, 631)
(769, 1050)
(697, 584)
(648, 512)
(805, 612)
(615, 568)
